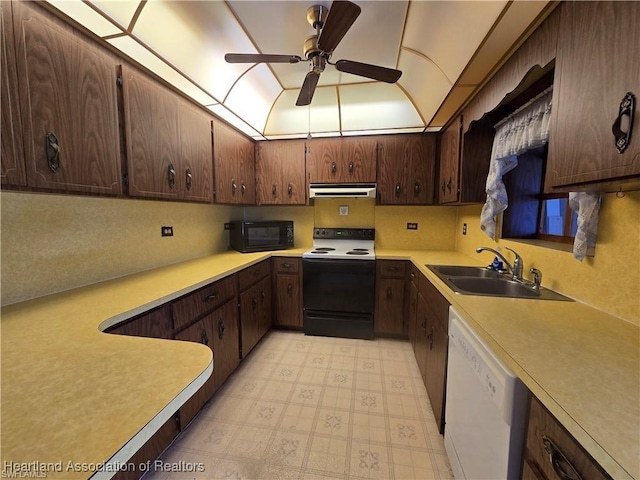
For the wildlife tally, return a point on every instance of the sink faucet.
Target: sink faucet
(517, 267)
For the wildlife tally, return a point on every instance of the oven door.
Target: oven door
(342, 286)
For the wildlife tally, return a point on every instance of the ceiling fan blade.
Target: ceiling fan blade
(341, 16)
(260, 58)
(308, 88)
(374, 72)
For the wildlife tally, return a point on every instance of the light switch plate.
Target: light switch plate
(344, 209)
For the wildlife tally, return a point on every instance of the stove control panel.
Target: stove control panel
(346, 233)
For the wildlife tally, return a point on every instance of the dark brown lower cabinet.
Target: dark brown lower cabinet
(287, 292)
(551, 453)
(430, 340)
(226, 342)
(255, 314)
(389, 318)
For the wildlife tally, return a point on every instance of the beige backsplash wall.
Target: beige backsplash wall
(609, 281)
(52, 243)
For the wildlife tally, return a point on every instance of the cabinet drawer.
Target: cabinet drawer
(436, 301)
(544, 428)
(286, 265)
(196, 304)
(251, 275)
(391, 268)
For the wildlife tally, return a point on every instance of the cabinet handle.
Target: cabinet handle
(53, 151)
(262, 294)
(189, 179)
(444, 185)
(398, 189)
(210, 298)
(351, 168)
(449, 184)
(289, 288)
(287, 265)
(290, 190)
(203, 338)
(171, 175)
(559, 462)
(254, 303)
(430, 338)
(257, 273)
(220, 328)
(233, 186)
(423, 325)
(273, 190)
(416, 188)
(243, 188)
(393, 269)
(413, 275)
(334, 168)
(389, 293)
(626, 110)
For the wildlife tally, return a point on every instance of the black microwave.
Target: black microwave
(260, 236)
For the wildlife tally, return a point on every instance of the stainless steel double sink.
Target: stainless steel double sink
(467, 280)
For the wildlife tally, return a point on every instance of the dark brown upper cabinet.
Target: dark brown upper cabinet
(341, 160)
(406, 166)
(68, 104)
(234, 166)
(597, 64)
(12, 153)
(280, 169)
(169, 153)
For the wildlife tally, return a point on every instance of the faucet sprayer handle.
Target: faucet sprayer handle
(518, 265)
(537, 278)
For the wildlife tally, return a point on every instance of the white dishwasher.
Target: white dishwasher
(486, 409)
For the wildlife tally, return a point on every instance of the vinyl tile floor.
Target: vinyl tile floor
(304, 407)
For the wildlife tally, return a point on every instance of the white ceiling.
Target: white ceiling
(432, 42)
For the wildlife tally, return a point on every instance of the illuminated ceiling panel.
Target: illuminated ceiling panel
(253, 96)
(376, 106)
(85, 15)
(324, 115)
(432, 41)
(122, 11)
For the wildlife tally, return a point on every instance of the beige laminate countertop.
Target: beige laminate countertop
(583, 364)
(72, 393)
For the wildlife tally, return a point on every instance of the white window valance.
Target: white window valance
(527, 128)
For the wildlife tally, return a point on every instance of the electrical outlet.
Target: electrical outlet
(344, 209)
(166, 231)
(412, 226)
(227, 226)
(464, 228)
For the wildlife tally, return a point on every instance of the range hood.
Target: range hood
(342, 190)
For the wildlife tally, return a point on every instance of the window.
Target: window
(558, 223)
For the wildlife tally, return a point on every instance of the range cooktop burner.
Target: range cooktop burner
(318, 252)
(358, 251)
(324, 249)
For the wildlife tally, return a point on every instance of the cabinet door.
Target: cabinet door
(69, 106)
(450, 162)
(200, 332)
(12, 153)
(265, 318)
(226, 341)
(422, 344)
(420, 177)
(280, 167)
(412, 313)
(598, 51)
(152, 146)
(247, 177)
(288, 296)
(249, 319)
(195, 172)
(323, 158)
(436, 371)
(358, 162)
(393, 157)
(226, 164)
(389, 314)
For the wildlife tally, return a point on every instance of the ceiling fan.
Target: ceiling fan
(330, 27)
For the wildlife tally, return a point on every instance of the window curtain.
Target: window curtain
(525, 129)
